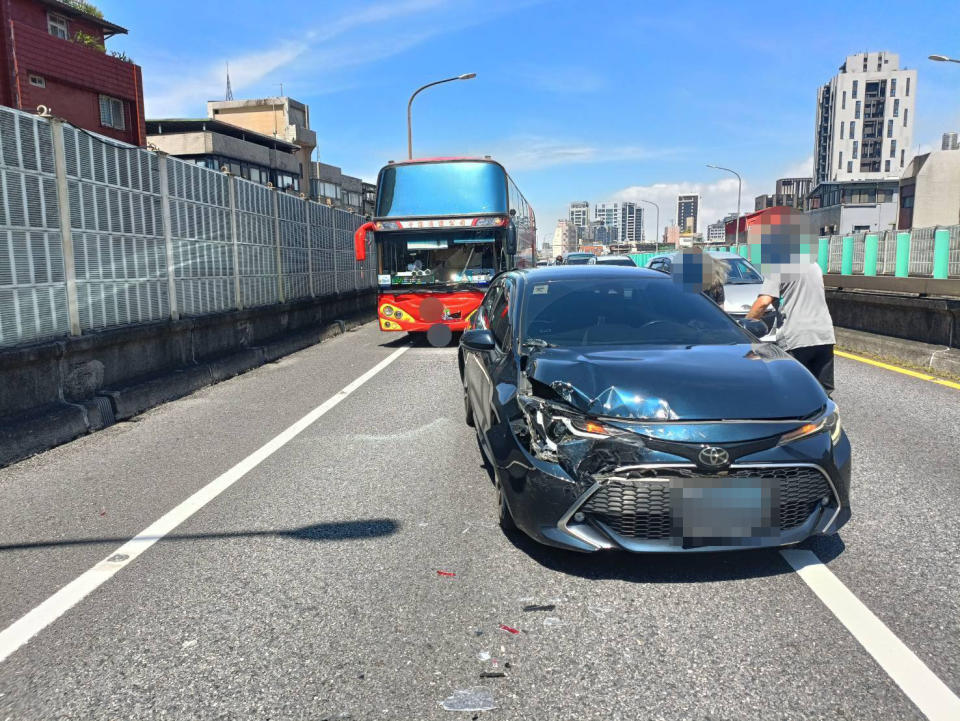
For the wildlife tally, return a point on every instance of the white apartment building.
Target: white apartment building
(579, 213)
(865, 117)
(623, 219)
(564, 238)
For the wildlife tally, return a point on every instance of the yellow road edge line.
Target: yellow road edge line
(898, 369)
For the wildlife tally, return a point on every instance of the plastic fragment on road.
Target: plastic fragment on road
(447, 574)
(539, 607)
(492, 674)
(484, 655)
(188, 644)
(551, 621)
(470, 699)
(508, 629)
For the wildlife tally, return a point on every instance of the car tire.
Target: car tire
(504, 517)
(467, 410)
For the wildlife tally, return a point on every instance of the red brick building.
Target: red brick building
(53, 55)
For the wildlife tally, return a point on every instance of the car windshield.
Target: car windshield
(580, 259)
(616, 261)
(438, 259)
(742, 273)
(623, 311)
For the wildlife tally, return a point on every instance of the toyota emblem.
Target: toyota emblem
(713, 456)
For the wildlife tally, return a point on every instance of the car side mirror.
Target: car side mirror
(479, 339)
(510, 242)
(753, 326)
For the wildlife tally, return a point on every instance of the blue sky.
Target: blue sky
(582, 100)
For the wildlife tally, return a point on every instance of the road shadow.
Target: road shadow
(419, 340)
(331, 531)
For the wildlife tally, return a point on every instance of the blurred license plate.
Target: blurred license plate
(724, 511)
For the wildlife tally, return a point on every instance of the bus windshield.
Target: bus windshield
(446, 259)
(448, 188)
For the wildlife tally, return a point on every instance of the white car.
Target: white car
(740, 290)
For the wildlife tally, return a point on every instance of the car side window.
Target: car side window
(500, 317)
(484, 312)
(657, 265)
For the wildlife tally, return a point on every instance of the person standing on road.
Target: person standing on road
(806, 328)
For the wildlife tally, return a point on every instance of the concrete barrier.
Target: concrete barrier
(935, 321)
(53, 392)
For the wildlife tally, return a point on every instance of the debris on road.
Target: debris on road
(551, 621)
(492, 674)
(508, 629)
(539, 607)
(188, 644)
(484, 655)
(448, 574)
(471, 699)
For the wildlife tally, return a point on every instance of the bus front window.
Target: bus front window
(439, 260)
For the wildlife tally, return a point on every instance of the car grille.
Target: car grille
(641, 509)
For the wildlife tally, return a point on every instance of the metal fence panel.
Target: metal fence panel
(953, 263)
(836, 251)
(921, 252)
(33, 304)
(859, 249)
(202, 241)
(118, 245)
(256, 244)
(294, 253)
(887, 252)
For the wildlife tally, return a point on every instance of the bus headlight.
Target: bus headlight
(387, 311)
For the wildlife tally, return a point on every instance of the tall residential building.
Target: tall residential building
(54, 54)
(579, 213)
(716, 232)
(688, 212)
(281, 117)
(789, 192)
(865, 117)
(623, 220)
(564, 238)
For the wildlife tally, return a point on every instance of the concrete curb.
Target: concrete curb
(49, 426)
(936, 359)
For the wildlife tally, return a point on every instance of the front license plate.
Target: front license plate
(724, 511)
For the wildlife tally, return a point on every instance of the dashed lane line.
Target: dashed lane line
(37, 619)
(931, 695)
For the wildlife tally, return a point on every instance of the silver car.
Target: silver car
(740, 290)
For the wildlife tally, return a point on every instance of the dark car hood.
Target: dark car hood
(746, 381)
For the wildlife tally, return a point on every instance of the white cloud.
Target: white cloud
(531, 152)
(803, 169)
(716, 200)
(175, 93)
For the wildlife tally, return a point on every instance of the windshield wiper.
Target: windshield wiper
(537, 343)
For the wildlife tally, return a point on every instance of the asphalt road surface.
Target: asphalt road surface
(306, 586)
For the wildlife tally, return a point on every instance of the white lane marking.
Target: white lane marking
(931, 695)
(34, 621)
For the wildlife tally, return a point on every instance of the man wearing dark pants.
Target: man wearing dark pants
(806, 328)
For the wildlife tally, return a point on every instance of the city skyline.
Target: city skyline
(749, 104)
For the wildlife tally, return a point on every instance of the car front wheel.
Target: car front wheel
(504, 516)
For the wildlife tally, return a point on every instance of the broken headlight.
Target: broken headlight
(550, 424)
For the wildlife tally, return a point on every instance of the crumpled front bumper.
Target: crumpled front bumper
(554, 506)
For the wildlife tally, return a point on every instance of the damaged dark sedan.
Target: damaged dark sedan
(619, 410)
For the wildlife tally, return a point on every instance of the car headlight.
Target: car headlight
(829, 422)
(550, 424)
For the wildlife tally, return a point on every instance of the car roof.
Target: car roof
(722, 254)
(579, 252)
(566, 272)
(611, 256)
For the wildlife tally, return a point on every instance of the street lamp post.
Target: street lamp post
(465, 76)
(943, 59)
(657, 228)
(739, 187)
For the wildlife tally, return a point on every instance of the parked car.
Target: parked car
(579, 259)
(740, 290)
(619, 411)
(616, 260)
